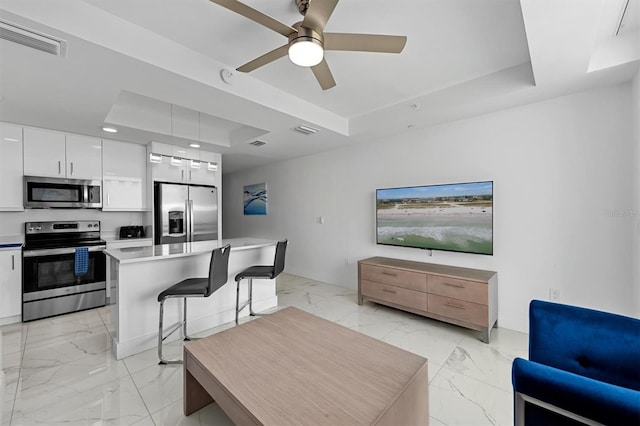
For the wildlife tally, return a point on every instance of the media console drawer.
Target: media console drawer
(397, 295)
(461, 296)
(396, 277)
(459, 289)
(458, 309)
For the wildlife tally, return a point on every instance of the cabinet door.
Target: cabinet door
(124, 180)
(182, 152)
(10, 283)
(11, 186)
(44, 153)
(123, 159)
(84, 157)
(122, 194)
(201, 175)
(167, 172)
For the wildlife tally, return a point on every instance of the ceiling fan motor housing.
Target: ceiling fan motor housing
(306, 34)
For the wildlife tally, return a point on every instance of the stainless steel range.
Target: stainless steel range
(63, 268)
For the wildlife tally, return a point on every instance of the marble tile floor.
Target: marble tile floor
(61, 370)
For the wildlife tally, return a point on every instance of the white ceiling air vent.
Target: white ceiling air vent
(257, 143)
(307, 130)
(33, 39)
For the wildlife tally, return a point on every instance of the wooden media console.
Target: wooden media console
(461, 296)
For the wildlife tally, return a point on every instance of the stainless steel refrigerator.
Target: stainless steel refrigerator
(185, 213)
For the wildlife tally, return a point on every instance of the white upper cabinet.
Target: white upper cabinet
(56, 154)
(11, 184)
(183, 165)
(206, 175)
(84, 157)
(44, 153)
(124, 182)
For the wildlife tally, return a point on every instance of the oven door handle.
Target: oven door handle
(53, 252)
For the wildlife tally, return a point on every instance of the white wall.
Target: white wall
(563, 172)
(636, 191)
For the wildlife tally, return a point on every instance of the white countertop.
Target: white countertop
(166, 251)
(11, 242)
(115, 239)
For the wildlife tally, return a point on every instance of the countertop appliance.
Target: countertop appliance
(53, 283)
(47, 192)
(185, 213)
(135, 231)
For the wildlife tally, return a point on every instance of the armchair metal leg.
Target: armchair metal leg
(519, 409)
(521, 399)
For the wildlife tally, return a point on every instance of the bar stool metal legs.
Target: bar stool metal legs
(248, 302)
(260, 271)
(193, 287)
(162, 337)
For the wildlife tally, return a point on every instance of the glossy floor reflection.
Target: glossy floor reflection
(61, 371)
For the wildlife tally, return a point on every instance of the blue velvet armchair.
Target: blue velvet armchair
(583, 368)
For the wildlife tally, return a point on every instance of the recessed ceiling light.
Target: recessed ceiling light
(194, 145)
(109, 129)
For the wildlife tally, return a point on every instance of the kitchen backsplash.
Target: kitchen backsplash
(12, 223)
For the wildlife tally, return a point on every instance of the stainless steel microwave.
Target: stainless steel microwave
(45, 192)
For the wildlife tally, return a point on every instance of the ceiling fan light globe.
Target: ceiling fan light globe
(306, 52)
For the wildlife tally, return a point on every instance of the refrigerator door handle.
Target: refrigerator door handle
(187, 221)
(190, 237)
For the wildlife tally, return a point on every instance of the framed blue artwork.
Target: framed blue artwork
(255, 199)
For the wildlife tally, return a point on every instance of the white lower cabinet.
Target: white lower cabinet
(10, 285)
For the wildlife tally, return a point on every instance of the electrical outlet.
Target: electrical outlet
(554, 294)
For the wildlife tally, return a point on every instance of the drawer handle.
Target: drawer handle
(453, 285)
(389, 273)
(454, 305)
(389, 291)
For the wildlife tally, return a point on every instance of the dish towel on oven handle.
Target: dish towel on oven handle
(82, 261)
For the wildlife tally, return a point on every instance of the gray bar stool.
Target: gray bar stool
(266, 272)
(194, 287)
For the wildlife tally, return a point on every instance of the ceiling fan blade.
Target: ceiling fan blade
(256, 16)
(264, 59)
(323, 75)
(318, 14)
(364, 42)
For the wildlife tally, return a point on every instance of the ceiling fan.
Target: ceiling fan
(308, 41)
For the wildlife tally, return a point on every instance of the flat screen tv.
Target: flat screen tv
(452, 217)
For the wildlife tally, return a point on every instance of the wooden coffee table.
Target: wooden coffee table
(291, 367)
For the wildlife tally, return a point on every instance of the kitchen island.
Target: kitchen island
(139, 274)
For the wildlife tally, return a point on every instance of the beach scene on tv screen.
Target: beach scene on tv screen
(454, 217)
